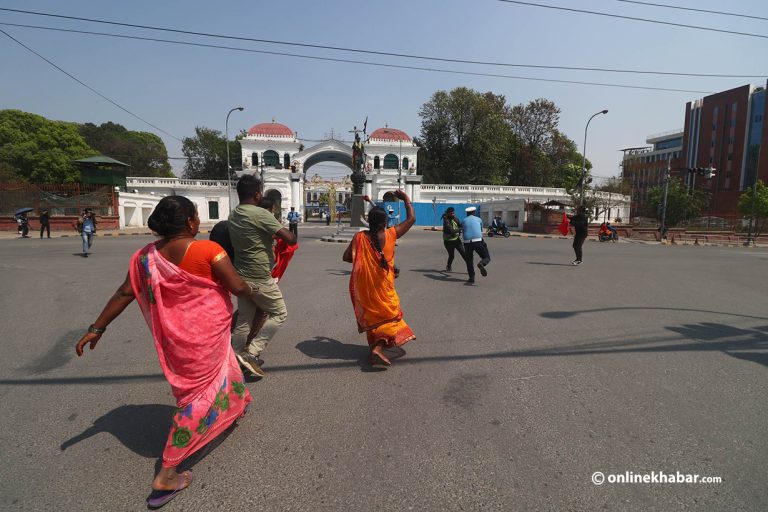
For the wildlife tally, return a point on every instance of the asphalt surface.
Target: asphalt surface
(646, 358)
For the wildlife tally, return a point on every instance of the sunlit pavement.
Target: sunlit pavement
(644, 359)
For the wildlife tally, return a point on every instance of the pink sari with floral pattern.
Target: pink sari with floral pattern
(189, 317)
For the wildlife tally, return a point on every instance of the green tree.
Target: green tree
(561, 165)
(9, 174)
(682, 205)
(145, 152)
(465, 137)
(535, 126)
(759, 214)
(206, 155)
(40, 150)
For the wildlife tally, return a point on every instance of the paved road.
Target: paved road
(645, 358)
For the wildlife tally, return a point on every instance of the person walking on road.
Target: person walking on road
(182, 287)
(293, 221)
(452, 236)
(372, 283)
(45, 223)
(580, 224)
(86, 226)
(251, 230)
(472, 229)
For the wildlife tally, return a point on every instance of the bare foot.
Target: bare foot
(168, 480)
(377, 352)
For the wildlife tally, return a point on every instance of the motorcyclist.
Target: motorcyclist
(607, 232)
(498, 225)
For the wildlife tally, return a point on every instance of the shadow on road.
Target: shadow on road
(555, 315)
(437, 275)
(143, 429)
(549, 264)
(321, 347)
(750, 344)
(337, 272)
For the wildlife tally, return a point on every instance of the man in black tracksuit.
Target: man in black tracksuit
(579, 223)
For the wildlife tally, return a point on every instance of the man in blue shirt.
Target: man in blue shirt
(472, 228)
(293, 221)
(391, 217)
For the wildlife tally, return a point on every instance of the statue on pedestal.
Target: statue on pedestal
(358, 162)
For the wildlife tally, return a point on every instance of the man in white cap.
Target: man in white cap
(472, 228)
(391, 218)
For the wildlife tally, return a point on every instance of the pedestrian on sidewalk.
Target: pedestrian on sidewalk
(472, 230)
(452, 236)
(580, 224)
(372, 283)
(293, 221)
(86, 226)
(252, 230)
(182, 287)
(45, 223)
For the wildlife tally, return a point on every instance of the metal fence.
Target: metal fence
(733, 223)
(59, 199)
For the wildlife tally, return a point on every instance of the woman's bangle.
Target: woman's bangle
(95, 330)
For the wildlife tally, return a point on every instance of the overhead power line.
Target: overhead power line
(110, 100)
(368, 52)
(693, 9)
(632, 18)
(368, 63)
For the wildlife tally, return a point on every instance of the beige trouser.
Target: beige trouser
(269, 299)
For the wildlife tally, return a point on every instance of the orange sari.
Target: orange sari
(372, 290)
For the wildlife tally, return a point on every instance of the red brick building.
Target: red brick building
(725, 131)
(644, 168)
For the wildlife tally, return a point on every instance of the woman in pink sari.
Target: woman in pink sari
(182, 286)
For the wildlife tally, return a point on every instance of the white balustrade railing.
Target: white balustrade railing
(173, 183)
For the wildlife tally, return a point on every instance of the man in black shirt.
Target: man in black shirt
(579, 223)
(45, 223)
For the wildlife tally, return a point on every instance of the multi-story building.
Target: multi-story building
(725, 131)
(644, 168)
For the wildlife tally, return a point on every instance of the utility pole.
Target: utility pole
(663, 229)
(750, 241)
(754, 198)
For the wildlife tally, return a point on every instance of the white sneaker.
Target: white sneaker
(576, 263)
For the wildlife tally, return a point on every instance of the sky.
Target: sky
(177, 88)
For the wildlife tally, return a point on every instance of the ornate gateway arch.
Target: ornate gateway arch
(273, 152)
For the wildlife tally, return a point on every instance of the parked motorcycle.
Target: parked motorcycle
(502, 231)
(608, 237)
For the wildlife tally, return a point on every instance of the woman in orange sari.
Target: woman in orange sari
(372, 284)
(182, 287)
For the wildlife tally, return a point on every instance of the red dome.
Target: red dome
(272, 129)
(390, 134)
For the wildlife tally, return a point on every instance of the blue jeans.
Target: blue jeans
(87, 241)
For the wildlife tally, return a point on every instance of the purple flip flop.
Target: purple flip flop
(159, 498)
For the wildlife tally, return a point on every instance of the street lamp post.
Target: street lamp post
(229, 168)
(584, 155)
